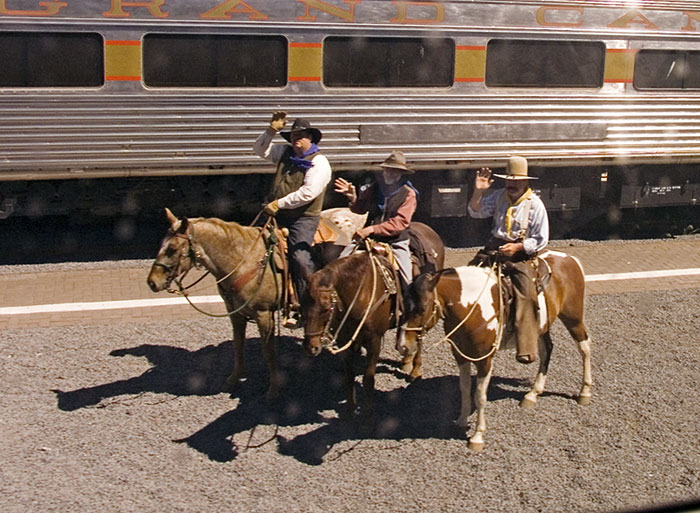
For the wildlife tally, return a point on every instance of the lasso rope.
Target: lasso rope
(499, 336)
(266, 261)
(373, 263)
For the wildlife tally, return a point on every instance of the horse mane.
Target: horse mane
(228, 229)
(422, 285)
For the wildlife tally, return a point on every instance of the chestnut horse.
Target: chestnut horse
(469, 299)
(349, 297)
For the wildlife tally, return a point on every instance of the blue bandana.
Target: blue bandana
(387, 191)
(301, 161)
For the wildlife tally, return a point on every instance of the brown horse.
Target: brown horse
(235, 255)
(469, 300)
(349, 296)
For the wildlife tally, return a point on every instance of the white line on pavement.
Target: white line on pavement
(149, 303)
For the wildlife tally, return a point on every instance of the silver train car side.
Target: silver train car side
(150, 102)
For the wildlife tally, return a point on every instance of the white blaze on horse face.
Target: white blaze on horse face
(476, 285)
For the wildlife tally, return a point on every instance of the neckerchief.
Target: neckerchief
(387, 191)
(512, 205)
(301, 161)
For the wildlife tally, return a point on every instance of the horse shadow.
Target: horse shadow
(179, 372)
(425, 408)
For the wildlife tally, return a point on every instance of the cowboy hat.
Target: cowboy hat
(397, 161)
(516, 170)
(302, 125)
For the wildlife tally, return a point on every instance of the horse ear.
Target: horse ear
(171, 218)
(428, 281)
(433, 279)
(184, 224)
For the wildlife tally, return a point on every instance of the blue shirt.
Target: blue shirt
(536, 234)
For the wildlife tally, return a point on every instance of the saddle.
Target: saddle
(543, 273)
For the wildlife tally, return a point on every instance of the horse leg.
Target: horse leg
(465, 390)
(545, 354)
(417, 370)
(239, 370)
(350, 398)
(266, 325)
(579, 333)
(373, 349)
(484, 371)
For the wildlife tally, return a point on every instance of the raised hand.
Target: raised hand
(483, 179)
(279, 119)
(345, 188)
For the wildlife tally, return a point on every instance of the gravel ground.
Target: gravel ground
(128, 417)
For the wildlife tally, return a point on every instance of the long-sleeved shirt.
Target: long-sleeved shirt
(316, 177)
(496, 205)
(393, 225)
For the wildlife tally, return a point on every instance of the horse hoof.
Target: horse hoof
(527, 403)
(476, 446)
(584, 400)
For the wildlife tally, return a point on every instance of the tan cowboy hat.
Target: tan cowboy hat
(302, 125)
(516, 170)
(396, 160)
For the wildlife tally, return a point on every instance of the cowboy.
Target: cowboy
(390, 203)
(520, 230)
(298, 189)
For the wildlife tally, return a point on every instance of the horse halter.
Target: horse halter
(324, 333)
(437, 313)
(171, 270)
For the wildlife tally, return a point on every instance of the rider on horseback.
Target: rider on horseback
(520, 230)
(391, 202)
(298, 189)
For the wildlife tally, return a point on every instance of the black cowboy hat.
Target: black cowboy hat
(302, 125)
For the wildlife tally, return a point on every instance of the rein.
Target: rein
(497, 341)
(268, 260)
(371, 307)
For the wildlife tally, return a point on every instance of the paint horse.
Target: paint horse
(469, 299)
(350, 298)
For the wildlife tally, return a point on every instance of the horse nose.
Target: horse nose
(152, 285)
(312, 349)
(401, 343)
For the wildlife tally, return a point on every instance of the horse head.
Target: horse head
(318, 304)
(421, 312)
(175, 256)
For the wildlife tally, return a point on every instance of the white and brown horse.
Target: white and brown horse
(469, 300)
(236, 256)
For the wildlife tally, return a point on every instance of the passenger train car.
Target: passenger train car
(116, 105)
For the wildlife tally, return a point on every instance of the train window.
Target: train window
(184, 60)
(667, 69)
(523, 63)
(388, 62)
(45, 59)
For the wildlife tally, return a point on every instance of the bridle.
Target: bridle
(436, 314)
(172, 270)
(266, 261)
(326, 339)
